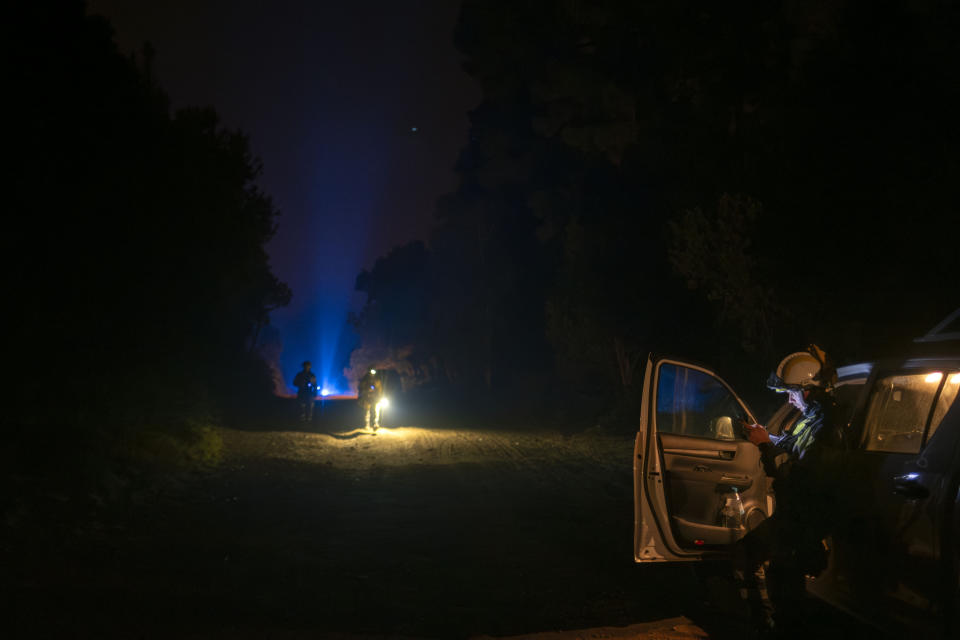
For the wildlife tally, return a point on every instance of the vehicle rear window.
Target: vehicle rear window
(898, 410)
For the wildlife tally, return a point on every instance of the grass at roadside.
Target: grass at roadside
(191, 445)
(62, 491)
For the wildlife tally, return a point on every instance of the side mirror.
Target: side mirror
(722, 428)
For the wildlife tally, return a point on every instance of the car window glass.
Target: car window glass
(694, 403)
(898, 410)
(944, 402)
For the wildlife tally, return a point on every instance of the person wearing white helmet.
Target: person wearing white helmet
(808, 379)
(804, 463)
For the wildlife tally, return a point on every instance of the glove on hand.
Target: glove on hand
(756, 433)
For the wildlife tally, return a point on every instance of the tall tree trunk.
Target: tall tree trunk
(488, 347)
(626, 362)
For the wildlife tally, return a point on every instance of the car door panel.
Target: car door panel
(687, 460)
(698, 476)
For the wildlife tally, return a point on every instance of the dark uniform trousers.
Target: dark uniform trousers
(772, 561)
(770, 569)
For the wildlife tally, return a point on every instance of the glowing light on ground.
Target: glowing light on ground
(334, 395)
(353, 448)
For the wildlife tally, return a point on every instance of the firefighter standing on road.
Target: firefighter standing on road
(306, 384)
(370, 392)
(804, 463)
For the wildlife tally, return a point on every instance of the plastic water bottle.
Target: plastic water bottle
(731, 516)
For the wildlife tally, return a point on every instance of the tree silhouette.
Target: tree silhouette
(138, 261)
(729, 182)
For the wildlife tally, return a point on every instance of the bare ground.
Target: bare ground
(413, 532)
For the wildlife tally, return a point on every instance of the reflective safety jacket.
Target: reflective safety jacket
(805, 463)
(370, 388)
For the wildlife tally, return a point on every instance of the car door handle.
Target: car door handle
(717, 454)
(732, 478)
(908, 487)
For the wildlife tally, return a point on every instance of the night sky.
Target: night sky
(357, 110)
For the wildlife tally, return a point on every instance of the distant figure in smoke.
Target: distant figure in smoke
(370, 392)
(306, 384)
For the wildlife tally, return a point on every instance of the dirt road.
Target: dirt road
(413, 532)
(548, 454)
(449, 533)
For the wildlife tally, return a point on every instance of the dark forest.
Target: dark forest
(136, 252)
(726, 184)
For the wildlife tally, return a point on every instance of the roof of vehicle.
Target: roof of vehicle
(851, 372)
(947, 331)
(937, 347)
(941, 341)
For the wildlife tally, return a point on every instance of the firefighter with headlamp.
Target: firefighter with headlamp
(804, 463)
(370, 394)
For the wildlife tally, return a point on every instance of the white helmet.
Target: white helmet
(802, 370)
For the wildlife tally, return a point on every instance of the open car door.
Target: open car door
(690, 459)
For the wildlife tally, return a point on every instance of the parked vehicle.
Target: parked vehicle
(894, 558)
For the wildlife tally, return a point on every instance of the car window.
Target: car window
(694, 403)
(897, 412)
(944, 402)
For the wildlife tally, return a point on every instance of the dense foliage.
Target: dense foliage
(728, 181)
(135, 244)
